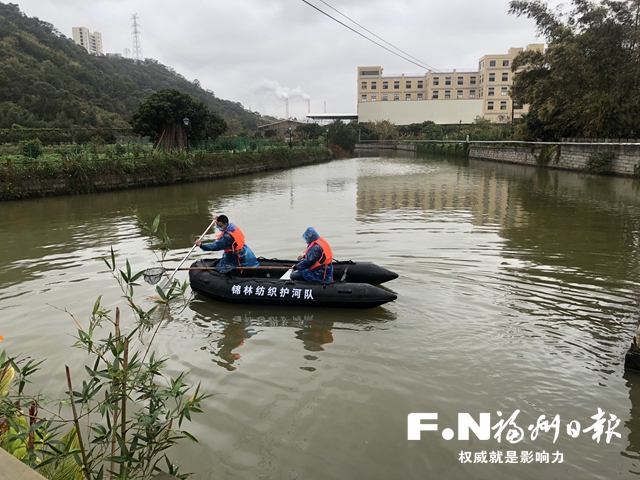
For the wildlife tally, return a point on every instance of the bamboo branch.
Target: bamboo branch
(75, 421)
(125, 364)
(115, 391)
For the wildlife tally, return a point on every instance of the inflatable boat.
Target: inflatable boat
(352, 286)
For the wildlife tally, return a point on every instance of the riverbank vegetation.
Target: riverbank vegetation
(346, 136)
(587, 81)
(450, 149)
(90, 171)
(479, 129)
(122, 413)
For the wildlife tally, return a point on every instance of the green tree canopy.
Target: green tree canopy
(382, 129)
(343, 135)
(161, 116)
(587, 81)
(312, 131)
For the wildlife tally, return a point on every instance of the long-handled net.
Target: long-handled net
(154, 274)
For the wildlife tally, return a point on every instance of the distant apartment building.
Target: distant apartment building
(92, 42)
(445, 97)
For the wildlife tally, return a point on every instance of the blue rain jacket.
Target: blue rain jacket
(229, 260)
(313, 255)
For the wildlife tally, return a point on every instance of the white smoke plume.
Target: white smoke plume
(272, 86)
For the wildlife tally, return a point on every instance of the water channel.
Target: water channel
(518, 293)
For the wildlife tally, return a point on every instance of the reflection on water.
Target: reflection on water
(227, 332)
(232, 337)
(633, 421)
(568, 243)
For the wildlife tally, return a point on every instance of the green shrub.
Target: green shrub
(31, 148)
(93, 149)
(546, 154)
(121, 150)
(98, 140)
(136, 149)
(600, 161)
(110, 151)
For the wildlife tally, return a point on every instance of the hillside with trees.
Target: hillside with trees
(49, 81)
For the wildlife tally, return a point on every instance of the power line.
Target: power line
(424, 66)
(380, 38)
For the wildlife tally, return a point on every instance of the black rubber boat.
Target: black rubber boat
(360, 272)
(262, 285)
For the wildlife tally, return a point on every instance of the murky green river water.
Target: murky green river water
(518, 293)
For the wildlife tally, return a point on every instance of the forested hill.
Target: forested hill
(46, 80)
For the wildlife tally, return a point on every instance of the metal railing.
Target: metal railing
(514, 142)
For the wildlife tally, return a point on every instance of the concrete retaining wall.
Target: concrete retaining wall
(387, 146)
(568, 156)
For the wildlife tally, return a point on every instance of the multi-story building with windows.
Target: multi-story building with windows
(92, 42)
(441, 96)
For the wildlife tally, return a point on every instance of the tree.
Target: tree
(587, 82)
(383, 130)
(161, 117)
(234, 127)
(311, 131)
(343, 136)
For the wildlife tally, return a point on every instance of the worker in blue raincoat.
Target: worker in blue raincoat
(231, 240)
(315, 262)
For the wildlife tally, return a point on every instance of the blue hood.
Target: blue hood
(310, 235)
(229, 228)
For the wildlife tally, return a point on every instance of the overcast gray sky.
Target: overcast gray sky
(256, 52)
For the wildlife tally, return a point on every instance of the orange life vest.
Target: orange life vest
(238, 240)
(327, 254)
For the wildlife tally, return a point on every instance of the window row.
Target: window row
(503, 105)
(504, 91)
(396, 97)
(447, 80)
(492, 77)
(446, 94)
(505, 63)
(421, 83)
(396, 85)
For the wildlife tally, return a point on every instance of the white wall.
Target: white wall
(418, 111)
